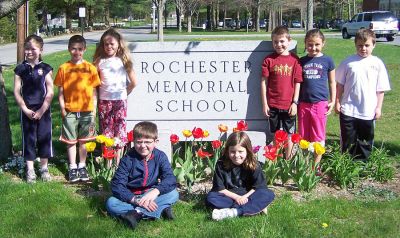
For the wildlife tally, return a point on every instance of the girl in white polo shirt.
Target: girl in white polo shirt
(112, 59)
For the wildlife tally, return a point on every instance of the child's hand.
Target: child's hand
(378, 113)
(38, 114)
(29, 113)
(241, 200)
(331, 105)
(266, 110)
(293, 109)
(337, 107)
(147, 201)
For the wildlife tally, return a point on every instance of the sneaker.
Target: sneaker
(30, 176)
(131, 218)
(220, 214)
(45, 175)
(83, 174)
(167, 213)
(73, 175)
(265, 210)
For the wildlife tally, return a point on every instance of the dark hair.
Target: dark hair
(145, 129)
(242, 139)
(123, 51)
(36, 39)
(280, 30)
(77, 39)
(365, 34)
(314, 33)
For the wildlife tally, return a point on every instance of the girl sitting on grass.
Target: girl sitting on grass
(239, 187)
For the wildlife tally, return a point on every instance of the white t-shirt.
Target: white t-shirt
(114, 79)
(362, 78)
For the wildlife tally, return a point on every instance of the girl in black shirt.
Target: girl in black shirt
(239, 187)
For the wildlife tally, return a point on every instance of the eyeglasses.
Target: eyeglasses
(146, 142)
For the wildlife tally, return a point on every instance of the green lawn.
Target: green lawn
(60, 210)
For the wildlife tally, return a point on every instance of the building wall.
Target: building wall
(393, 7)
(370, 5)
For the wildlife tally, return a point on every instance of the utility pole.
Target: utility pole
(22, 30)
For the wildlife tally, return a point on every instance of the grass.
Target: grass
(58, 210)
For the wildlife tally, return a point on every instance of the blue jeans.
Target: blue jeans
(116, 207)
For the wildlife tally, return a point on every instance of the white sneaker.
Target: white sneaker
(30, 176)
(45, 175)
(220, 214)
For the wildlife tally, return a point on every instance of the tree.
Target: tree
(190, 7)
(160, 9)
(8, 6)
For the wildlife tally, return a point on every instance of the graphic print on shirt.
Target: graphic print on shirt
(313, 71)
(283, 70)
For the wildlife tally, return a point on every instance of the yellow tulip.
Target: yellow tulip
(222, 128)
(109, 142)
(304, 144)
(101, 139)
(187, 133)
(90, 146)
(206, 133)
(319, 149)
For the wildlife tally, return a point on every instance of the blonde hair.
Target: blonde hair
(242, 139)
(123, 51)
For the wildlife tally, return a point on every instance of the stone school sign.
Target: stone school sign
(183, 85)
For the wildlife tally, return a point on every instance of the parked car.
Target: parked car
(322, 24)
(263, 23)
(336, 23)
(383, 23)
(296, 24)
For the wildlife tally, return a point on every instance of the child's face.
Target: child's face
(145, 146)
(32, 51)
(314, 46)
(76, 51)
(237, 154)
(110, 46)
(364, 48)
(281, 44)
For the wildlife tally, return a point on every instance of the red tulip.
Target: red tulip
(281, 137)
(296, 138)
(203, 154)
(242, 125)
(174, 139)
(197, 133)
(108, 153)
(216, 144)
(271, 152)
(130, 136)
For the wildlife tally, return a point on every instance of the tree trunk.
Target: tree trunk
(310, 17)
(237, 27)
(9, 6)
(257, 20)
(209, 12)
(160, 29)
(5, 132)
(189, 22)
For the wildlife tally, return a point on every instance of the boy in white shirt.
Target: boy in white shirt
(361, 80)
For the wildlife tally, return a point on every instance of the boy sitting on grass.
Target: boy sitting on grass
(144, 186)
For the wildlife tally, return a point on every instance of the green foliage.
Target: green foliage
(379, 165)
(7, 29)
(100, 174)
(271, 171)
(304, 172)
(341, 167)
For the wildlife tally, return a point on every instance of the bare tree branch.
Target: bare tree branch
(8, 6)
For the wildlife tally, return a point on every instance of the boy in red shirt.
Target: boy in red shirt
(280, 85)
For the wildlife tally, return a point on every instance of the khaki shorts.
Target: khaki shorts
(78, 126)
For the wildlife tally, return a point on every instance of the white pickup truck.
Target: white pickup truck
(382, 23)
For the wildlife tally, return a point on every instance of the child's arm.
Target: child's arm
(241, 200)
(264, 83)
(293, 106)
(339, 93)
(133, 81)
(332, 91)
(49, 96)
(94, 102)
(61, 101)
(378, 109)
(19, 99)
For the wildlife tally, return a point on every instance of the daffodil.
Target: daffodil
(319, 149)
(304, 144)
(206, 133)
(90, 146)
